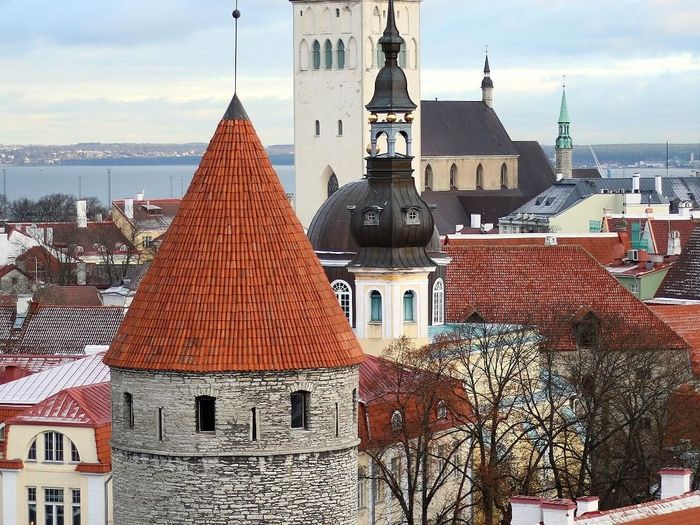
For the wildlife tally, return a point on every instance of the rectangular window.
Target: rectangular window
(408, 315)
(337, 421)
(362, 489)
(376, 303)
(75, 506)
(300, 402)
(254, 424)
(31, 504)
(160, 423)
(378, 487)
(53, 506)
(128, 410)
(53, 446)
(396, 469)
(147, 241)
(206, 414)
(634, 287)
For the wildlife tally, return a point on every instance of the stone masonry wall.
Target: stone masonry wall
(286, 476)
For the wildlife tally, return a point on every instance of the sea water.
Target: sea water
(156, 182)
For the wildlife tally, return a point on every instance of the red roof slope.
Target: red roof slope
(549, 286)
(85, 406)
(249, 294)
(604, 248)
(69, 296)
(685, 320)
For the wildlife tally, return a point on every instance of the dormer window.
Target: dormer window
(587, 331)
(371, 218)
(412, 218)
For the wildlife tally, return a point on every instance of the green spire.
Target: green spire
(564, 140)
(564, 112)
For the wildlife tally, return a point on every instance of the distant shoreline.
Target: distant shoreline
(279, 160)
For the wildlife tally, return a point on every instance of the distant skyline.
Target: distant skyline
(161, 71)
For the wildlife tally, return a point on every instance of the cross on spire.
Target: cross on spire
(236, 16)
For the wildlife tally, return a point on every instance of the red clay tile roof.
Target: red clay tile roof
(662, 228)
(249, 294)
(685, 320)
(85, 406)
(68, 295)
(604, 248)
(547, 286)
(387, 386)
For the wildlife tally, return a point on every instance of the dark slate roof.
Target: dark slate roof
(462, 128)
(683, 279)
(586, 173)
(65, 329)
(535, 172)
(7, 320)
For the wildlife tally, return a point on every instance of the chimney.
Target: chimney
(558, 512)
(129, 209)
(476, 220)
(635, 182)
(81, 207)
(650, 212)
(674, 482)
(560, 176)
(525, 510)
(587, 504)
(659, 184)
(140, 195)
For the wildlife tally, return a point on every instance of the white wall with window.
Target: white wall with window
(343, 293)
(438, 302)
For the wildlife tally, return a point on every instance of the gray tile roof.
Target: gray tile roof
(462, 128)
(535, 172)
(65, 329)
(683, 279)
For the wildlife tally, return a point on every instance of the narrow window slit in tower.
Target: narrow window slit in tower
(337, 421)
(254, 424)
(161, 434)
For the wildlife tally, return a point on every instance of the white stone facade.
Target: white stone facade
(326, 94)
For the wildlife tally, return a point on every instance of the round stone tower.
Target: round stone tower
(235, 373)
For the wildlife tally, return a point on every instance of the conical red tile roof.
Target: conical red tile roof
(236, 285)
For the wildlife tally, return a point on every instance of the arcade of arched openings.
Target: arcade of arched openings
(469, 173)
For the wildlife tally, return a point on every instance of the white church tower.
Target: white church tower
(336, 61)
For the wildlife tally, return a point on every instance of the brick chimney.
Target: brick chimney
(674, 482)
(525, 510)
(558, 512)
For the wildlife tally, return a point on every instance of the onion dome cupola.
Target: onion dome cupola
(391, 224)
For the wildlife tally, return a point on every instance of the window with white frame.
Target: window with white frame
(53, 507)
(75, 507)
(31, 504)
(412, 218)
(634, 287)
(375, 307)
(343, 293)
(438, 302)
(53, 446)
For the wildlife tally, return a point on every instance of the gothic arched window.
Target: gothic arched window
(396, 421)
(428, 183)
(480, 177)
(438, 302)
(316, 54)
(341, 55)
(343, 293)
(453, 177)
(328, 49)
(504, 176)
(332, 184)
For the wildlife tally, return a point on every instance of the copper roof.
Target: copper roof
(249, 294)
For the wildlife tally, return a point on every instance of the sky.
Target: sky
(161, 70)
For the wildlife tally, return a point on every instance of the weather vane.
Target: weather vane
(236, 16)
(564, 84)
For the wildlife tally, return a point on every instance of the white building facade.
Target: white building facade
(336, 61)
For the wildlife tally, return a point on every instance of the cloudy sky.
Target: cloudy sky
(161, 70)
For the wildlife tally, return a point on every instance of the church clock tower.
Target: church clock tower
(336, 59)
(564, 144)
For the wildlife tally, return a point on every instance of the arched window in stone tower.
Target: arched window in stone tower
(206, 413)
(300, 409)
(341, 54)
(428, 183)
(479, 177)
(328, 52)
(316, 54)
(504, 176)
(453, 177)
(343, 293)
(438, 303)
(332, 184)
